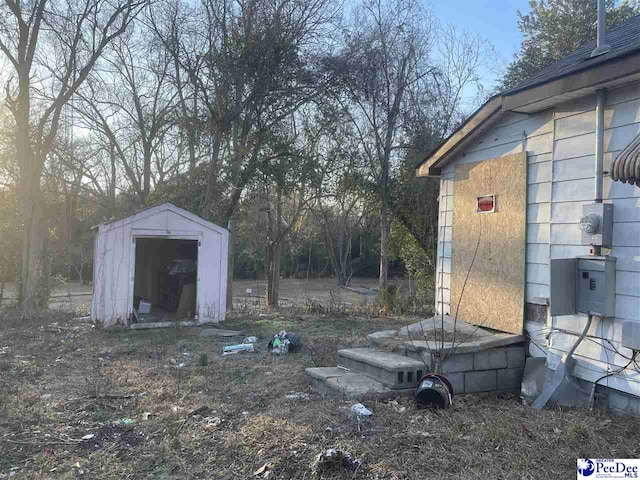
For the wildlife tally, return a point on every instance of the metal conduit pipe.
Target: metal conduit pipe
(600, 49)
(599, 152)
(562, 370)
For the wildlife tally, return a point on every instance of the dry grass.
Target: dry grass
(156, 418)
(268, 435)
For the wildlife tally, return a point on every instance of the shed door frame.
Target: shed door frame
(180, 235)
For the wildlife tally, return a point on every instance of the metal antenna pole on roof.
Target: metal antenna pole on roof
(601, 47)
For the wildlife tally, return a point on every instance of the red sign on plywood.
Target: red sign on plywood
(486, 203)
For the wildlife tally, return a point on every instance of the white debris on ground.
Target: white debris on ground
(298, 396)
(361, 410)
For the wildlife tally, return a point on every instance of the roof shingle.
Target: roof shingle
(623, 40)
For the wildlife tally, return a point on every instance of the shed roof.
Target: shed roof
(157, 209)
(575, 75)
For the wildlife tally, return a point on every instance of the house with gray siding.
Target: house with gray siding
(576, 128)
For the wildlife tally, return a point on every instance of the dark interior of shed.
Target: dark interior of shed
(165, 281)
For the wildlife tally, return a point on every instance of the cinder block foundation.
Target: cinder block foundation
(509, 379)
(490, 359)
(457, 382)
(495, 369)
(480, 381)
(494, 363)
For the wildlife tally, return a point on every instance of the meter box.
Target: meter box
(583, 285)
(596, 285)
(596, 224)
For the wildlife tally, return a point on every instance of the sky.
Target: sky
(494, 20)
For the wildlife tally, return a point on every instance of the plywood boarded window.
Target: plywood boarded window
(490, 288)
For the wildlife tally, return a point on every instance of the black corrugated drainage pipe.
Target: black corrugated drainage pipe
(434, 391)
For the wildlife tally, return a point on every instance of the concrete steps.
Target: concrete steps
(338, 382)
(367, 374)
(491, 361)
(396, 372)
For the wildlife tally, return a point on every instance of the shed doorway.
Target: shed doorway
(165, 279)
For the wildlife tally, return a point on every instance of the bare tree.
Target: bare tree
(385, 55)
(394, 70)
(129, 105)
(248, 69)
(52, 46)
(339, 215)
(341, 202)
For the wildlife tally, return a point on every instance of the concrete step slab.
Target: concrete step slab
(394, 371)
(219, 332)
(385, 337)
(446, 323)
(341, 383)
(150, 325)
(484, 343)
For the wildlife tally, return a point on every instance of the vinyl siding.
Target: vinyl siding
(560, 143)
(573, 184)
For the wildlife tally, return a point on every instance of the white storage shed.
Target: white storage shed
(161, 264)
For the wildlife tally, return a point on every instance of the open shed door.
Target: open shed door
(489, 212)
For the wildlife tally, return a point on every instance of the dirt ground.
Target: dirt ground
(77, 402)
(322, 291)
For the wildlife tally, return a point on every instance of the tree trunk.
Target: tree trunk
(30, 194)
(112, 184)
(146, 174)
(268, 271)
(31, 227)
(340, 276)
(230, 265)
(273, 274)
(385, 222)
(274, 247)
(30, 252)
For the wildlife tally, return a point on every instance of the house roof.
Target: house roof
(575, 75)
(623, 39)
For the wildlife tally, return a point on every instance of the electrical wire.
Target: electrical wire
(615, 372)
(633, 359)
(591, 338)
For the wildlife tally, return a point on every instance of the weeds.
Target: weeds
(204, 360)
(248, 422)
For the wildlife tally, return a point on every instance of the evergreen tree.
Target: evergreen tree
(554, 28)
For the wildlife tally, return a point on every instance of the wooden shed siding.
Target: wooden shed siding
(115, 261)
(560, 144)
